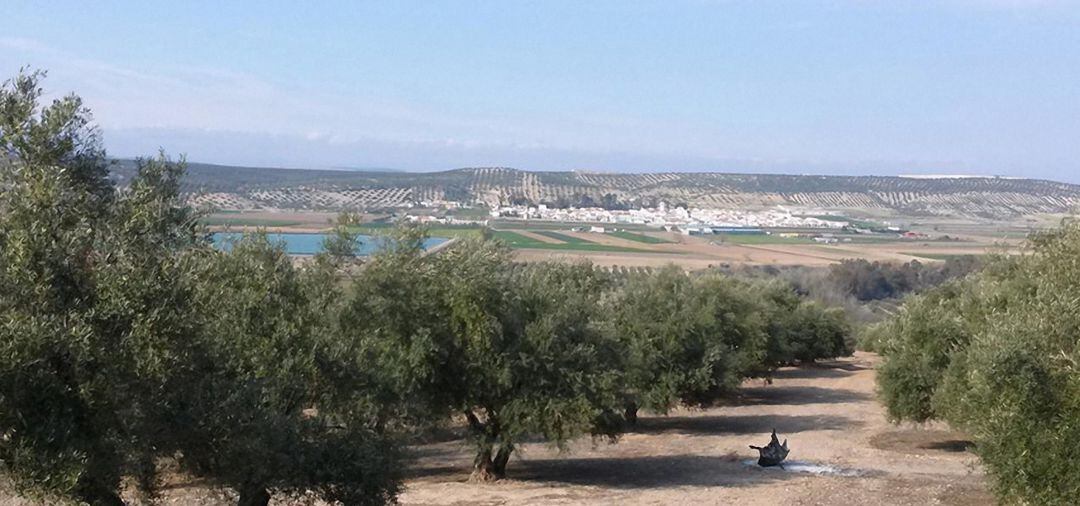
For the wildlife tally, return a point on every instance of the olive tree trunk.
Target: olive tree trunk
(488, 465)
(630, 413)
(100, 497)
(488, 468)
(253, 495)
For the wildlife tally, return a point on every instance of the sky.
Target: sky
(825, 87)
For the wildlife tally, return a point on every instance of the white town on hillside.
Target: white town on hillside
(685, 219)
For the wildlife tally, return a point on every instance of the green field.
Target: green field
(448, 231)
(517, 241)
(761, 239)
(647, 239)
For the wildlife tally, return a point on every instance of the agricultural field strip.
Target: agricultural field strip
(642, 238)
(531, 234)
(448, 232)
(790, 252)
(563, 237)
(516, 240)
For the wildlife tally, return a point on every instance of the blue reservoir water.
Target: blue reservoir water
(310, 244)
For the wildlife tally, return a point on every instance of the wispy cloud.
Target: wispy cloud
(186, 98)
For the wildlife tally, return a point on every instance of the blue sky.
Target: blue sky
(836, 87)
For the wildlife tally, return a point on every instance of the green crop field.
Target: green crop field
(518, 241)
(761, 239)
(448, 231)
(647, 239)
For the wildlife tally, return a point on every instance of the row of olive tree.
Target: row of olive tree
(563, 350)
(128, 341)
(997, 354)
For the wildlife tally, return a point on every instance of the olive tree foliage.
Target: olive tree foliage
(508, 350)
(688, 339)
(996, 355)
(255, 415)
(799, 329)
(934, 329)
(666, 355)
(125, 338)
(684, 339)
(395, 316)
(90, 309)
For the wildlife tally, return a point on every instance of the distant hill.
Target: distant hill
(253, 187)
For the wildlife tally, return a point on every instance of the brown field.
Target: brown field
(538, 237)
(698, 252)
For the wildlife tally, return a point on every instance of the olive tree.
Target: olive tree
(684, 339)
(91, 302)
(125, 338)
(799, 329)
(995, 355)
(511, 350)
(251, 416)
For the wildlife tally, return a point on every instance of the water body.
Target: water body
(310, 244)
(795, 466)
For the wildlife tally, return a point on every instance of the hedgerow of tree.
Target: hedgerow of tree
(996, 355)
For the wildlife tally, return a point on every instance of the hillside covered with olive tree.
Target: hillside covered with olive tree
(228, 187)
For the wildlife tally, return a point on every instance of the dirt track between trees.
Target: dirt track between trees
(828, 412)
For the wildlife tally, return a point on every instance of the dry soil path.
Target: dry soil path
(827, 411)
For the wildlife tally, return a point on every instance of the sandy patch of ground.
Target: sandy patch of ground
(827, 412)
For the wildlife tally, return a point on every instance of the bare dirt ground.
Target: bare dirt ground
(827, 411)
